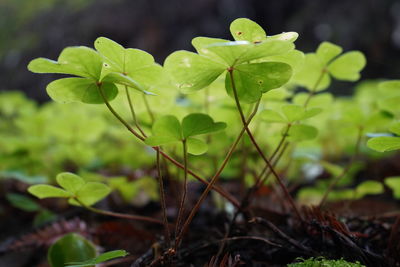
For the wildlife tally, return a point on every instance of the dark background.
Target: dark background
(34, 28)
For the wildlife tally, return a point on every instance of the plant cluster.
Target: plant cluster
(246, 109)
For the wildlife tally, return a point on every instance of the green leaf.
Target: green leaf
(99, 259)
(80, 61)
(22, 202)
(251, 80)
(347, 67)
(70, 182)
(112, 52)
(167, 129)
(228, 51)
(197, 124)
(384, 143)
(91, 193)
(294, 58)
(311, 112)
(46, 191)
(135, 64)
(119, 78)
(322, 100)
(196, 146)
(201, 44)
(390, 88)
(239, 52)
(80, 90)
(293, 112)
(310, 75)
(45, 65)
(327, 51)
(394, 184)
(110, 255)
(285, 36)
(192, 72)
(390, 104)
(368, 188)
(265, 50)
(269, 115)
(86, 60)
(243, 29)
(302, 132)
(395, 128)
(70, 248)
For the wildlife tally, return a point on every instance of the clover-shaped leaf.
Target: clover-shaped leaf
(83, 90)
(136, 64)
(302, 132)
(243, 29)
(289, 113)
(386, 143)
(347, 67)
(70, 182)
(90, 193)
(270, 115)
(309, 75)
(80, 61)
(168, 129)
(74, 187)
(327, 51)
(239, 52)
(198, 123)
(252, 80)
(47, 191)
(192, 72)
(326, 62)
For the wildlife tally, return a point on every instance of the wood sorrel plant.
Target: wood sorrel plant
(250, 67)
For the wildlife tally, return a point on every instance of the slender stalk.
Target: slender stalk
(172, 160)
(254, 142)
(183, 194)
(336, 180)
(112, 110)
(274, 163)
(135, 121)
(223, 193)
(315, 87)
(119, 215)
(282, 144)
(214, 179)
(162, 200)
